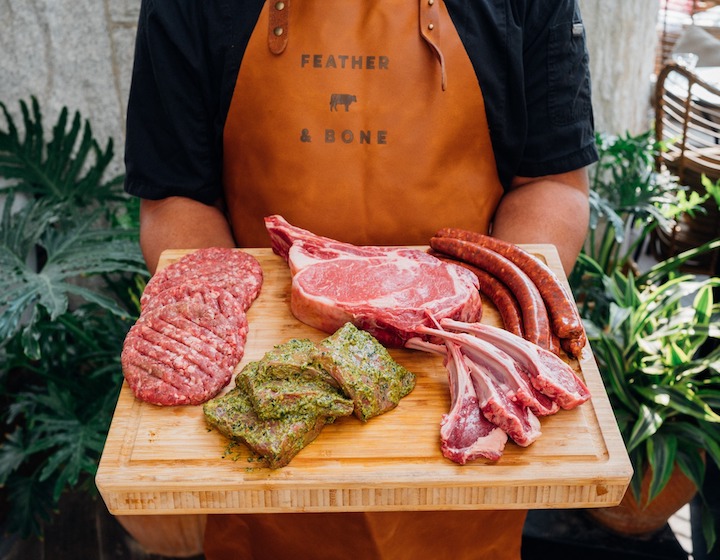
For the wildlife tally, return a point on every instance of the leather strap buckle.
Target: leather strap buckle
(278, 25)
(430, 32)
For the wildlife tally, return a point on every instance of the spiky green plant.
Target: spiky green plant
(70, 274)
(655, 338)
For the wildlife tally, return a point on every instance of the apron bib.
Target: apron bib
(358, 120)
(362, 121)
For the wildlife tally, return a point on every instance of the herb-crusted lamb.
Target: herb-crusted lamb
(287, 381)
(365, 370)
(281, 402)
(277, 441)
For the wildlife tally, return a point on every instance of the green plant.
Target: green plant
(712, 189)
(70, 275)
(655, 333)
(629, 198)
(656, 344)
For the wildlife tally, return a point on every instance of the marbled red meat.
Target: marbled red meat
(388, 291)
(184, 352)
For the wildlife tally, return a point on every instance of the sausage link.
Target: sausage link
(566, 321)
(497, 292)
(534, 314)
(573, 346)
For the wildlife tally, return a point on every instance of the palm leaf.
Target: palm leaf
(681, 399)
(661, 454)
(72, 253)
(701, 438)
(60, 169)
(672, 264)
(648, 423)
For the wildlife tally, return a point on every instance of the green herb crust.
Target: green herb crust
(365, 370)
(276, 441)
(286, 381)
(281, 402)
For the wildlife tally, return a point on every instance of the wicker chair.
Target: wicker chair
(673, 19)
(687, 117)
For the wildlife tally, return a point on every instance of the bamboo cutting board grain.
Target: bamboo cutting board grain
(165, 460)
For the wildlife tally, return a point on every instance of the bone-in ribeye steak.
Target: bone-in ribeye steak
(388, 291)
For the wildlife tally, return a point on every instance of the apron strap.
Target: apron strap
(430, 32)
(278, 26)
(278, 30)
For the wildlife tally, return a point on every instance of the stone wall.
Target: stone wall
(74, 53)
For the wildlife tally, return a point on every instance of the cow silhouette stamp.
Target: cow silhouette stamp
(345, 99)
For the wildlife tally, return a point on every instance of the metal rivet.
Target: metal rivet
(431, 2)
(281, 5)
(431, 26)
(278, 31)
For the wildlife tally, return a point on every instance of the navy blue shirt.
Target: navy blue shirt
(530, 58)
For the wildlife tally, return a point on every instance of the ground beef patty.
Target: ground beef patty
(185, 352)
(235, 271)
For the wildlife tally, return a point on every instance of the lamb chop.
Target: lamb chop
(548, 373)
(465, 433)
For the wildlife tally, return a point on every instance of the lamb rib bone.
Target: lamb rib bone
(497, 390)
(549, 374)
(465, 433)
(506, 372)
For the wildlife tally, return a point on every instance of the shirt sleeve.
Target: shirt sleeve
(560, 129)
(172, 148)
(532, 65)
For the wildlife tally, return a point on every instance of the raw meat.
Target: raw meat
(509, 375)
(281, 402)
(495, 391)
(496, 404)
(465, 433)
(387, 291)
(184, 352)
(548, 373)
(512, 381)
(192, 328)
(365, 371)
(276, 441)
(287, 381)
(231, 269)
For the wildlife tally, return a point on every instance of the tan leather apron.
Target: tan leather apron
(340, 123)
(362, 121)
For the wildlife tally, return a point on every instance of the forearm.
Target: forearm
(180, 223)
(551, 209)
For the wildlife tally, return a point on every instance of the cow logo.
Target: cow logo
(345, 99)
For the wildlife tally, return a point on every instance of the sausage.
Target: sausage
(534, 314)
(573, 346)
(566, 321)
(497, 292)
(503, 299)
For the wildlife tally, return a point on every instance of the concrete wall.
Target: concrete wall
(74, 53)
(622, 38)
(78, 53)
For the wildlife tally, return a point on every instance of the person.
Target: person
(373, 122)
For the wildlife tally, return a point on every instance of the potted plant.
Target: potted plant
(654, 334)
(655, 338)
(70, 277)
(629, 199)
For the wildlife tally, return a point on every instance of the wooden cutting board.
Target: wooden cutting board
(165, 460)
